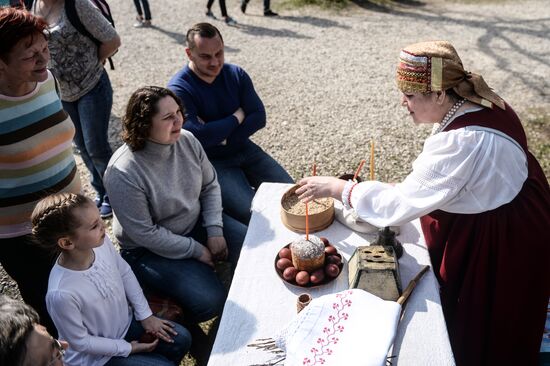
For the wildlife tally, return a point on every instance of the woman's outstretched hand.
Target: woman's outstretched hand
(318, 187)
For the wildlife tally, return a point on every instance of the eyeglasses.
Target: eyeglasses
(59, 352)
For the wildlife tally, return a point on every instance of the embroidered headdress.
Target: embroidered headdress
(435, 66)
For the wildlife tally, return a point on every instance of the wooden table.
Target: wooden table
(259, 303)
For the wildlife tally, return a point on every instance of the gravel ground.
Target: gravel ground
(327, 78)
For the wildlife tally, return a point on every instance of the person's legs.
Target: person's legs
(237, 193)
(72, 109)
(172, 351)
(266, 6)
(234, 232)
(244, 4)
(209, 4)
(94, 111)
(192, 284)
(141, 359)
(223, 8)
(29, 266)
(138, 7)
(259, 167)
(146, 9)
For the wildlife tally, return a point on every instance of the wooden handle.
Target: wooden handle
(401, 300)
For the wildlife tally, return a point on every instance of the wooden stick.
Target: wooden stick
(401, 300)
(359, 169)
(314, 169)
(372, 159)
(307, 222)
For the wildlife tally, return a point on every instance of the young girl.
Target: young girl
(94, 297)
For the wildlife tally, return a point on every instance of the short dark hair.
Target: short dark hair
(204, 30)
(17, 24)
(17, 321)
(138, 120)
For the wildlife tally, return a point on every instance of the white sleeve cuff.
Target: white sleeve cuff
(346, 199)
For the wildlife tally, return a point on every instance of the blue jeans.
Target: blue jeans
(191, 283)
(241, 174)
(90, 115)
(169, 354)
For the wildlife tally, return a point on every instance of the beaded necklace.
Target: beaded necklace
(447, 119)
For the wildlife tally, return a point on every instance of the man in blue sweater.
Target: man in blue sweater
(223, 111)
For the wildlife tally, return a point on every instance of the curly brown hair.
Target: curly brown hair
(138, 120)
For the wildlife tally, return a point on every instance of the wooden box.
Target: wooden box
(375, 269)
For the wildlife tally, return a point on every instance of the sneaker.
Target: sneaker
(98, 200)
(146, 23)
(210, 14)
(243, 6)
(230, 21)
(270, 13)
(139, 22)
(105, 210)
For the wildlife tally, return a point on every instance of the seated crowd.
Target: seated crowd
(182, 184)
(181, 197)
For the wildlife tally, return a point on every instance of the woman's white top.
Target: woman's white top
(90, 308)
(467, 170)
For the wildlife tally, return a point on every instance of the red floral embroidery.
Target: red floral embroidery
(330, 331)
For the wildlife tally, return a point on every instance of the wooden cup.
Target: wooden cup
(303, 301)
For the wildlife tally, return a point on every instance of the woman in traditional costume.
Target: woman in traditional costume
(483, 202)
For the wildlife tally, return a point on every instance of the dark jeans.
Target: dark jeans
(240, 174)
(222, 6)
(145, 3)
(191, 283)
(29, 266)
(164, 354)
(266, 4)
(90, 115)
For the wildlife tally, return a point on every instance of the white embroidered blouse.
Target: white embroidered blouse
(91, 309)
(468, 170)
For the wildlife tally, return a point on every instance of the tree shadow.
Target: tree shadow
(495, 30)
(180, 38)
(386, 6)
(258, 31)
(314, 21)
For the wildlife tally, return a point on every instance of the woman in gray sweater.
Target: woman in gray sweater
(167, 205)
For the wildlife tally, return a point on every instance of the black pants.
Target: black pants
(266, 4)
(146, 9)
(222, 6)
(29, 265)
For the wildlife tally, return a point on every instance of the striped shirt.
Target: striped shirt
(36, 155)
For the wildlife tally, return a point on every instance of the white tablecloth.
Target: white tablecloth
(259, 303)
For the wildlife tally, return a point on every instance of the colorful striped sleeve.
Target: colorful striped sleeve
(36, 156)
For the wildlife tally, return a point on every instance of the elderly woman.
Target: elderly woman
(36, 156)
(484, 204)
(167, 204)
(77, 63)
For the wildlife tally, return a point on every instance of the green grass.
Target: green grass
(536, 122)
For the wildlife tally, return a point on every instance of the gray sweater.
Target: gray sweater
(158, 194)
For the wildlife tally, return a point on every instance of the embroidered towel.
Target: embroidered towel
(351, 327)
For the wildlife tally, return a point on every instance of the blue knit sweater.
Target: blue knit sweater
(215, 103)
